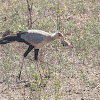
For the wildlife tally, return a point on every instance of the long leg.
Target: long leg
(28, 50)
(36, 51)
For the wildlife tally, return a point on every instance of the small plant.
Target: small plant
(92, 83)
(84, 78)
(10, 97)
(20, 28)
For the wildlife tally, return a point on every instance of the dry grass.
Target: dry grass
(64, 73)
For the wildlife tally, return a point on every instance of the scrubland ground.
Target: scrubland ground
(62, 73)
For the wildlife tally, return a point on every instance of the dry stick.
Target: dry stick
(29, 14)
(27, 74)
(58, 16)
(19, 76)
(28, 7)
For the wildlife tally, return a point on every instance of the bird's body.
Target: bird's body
(37, 38)
(34, 38)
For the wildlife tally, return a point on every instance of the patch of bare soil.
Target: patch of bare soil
(78, 81)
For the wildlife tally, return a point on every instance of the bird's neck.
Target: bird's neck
(54, 36)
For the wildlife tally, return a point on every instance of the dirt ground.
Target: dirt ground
(78, 81)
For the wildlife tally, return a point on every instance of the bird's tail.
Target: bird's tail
(8, 39)
(12, 38)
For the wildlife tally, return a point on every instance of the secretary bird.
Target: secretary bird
(34, 38)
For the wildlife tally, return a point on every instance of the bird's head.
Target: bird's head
(59, 34)
(63, 41)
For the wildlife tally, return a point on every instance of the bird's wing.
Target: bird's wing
(33, 38)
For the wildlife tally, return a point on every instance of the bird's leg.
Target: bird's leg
(28, 50)
(36, 51)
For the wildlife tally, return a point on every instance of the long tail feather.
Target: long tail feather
(8, 39)
(12, 38)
